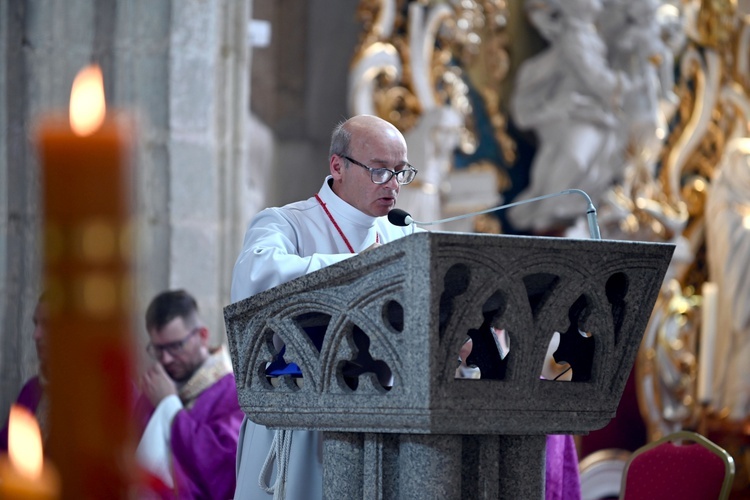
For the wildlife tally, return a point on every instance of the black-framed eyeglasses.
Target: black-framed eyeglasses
(156, 351)
(383, 175)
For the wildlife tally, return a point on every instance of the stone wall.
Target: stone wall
(299, 86)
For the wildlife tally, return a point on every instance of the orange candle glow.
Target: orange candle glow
(87, 219)
(24, 475)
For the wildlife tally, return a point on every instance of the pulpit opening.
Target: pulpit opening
(363, 364)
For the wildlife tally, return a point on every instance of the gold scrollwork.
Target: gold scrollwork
(714, 108)
(469, 47)
(667, 367)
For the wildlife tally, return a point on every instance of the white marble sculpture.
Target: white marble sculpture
(728, 255)
(638, 46)
(569, 96)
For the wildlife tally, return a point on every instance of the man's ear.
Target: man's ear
(336, 165)
(204, 334)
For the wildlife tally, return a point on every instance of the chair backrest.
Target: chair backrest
(682, 465)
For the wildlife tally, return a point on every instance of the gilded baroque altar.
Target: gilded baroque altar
(659, 138)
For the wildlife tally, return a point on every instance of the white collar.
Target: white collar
(342, 209)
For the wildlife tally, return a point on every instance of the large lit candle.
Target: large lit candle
(85, 157)
(24, 474)
(709, 312)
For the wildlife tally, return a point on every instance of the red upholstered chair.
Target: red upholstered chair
(683, 465)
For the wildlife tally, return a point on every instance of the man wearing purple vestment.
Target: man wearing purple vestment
(188, 411)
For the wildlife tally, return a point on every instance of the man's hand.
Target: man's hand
(374, 245)
(156, 384)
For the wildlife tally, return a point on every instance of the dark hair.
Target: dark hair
(170, 305)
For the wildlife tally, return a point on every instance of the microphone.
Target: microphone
(399, 217)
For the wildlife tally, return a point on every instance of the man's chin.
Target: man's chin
(383, 208)
(177, 377)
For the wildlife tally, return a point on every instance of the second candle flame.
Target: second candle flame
(25, 442)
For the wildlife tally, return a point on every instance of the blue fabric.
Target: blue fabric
(280, 368)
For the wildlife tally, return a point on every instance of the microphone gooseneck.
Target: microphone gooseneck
(593, 225)
(399, 217)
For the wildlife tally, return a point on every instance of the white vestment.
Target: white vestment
(282, 244)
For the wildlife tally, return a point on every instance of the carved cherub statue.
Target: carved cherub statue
(570, 96)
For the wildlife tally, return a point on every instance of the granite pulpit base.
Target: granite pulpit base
(382, 466)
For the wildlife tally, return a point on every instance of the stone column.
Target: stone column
(19, 202)
(376, 466)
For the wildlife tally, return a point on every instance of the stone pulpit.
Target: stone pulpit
(377, 339)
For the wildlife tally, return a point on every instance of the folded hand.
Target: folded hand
(156, 384)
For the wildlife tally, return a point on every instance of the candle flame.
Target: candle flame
(25, 442)
(87, 106)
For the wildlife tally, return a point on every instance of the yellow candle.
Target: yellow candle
(87, 217)
(24, 474)
(709, 312)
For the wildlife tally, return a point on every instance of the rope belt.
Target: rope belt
(279, 452)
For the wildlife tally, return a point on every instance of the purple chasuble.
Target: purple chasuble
(562, 479)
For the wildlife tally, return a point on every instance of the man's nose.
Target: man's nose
(38, 333)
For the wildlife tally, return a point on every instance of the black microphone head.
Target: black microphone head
(397, 217)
